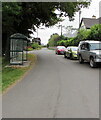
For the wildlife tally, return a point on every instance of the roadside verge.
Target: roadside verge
(12, 75)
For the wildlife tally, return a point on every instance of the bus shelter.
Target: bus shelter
(18, 49)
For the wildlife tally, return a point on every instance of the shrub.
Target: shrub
(95, 32)
(61, 42)
(29, 48)
(36, 46)
(53, 41)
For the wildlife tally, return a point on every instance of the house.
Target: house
(37, 40)
(87, 23)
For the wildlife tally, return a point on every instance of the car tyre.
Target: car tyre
(65, 55)
(92, 63)
(71, 56)
(80, 59)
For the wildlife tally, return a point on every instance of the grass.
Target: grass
(31, 49)
(11, 74)
(51, 48)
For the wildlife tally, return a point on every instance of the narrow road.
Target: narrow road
(55, 88)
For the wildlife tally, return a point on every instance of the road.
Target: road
(55, 88)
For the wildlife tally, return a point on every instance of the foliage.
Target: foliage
(16, 14)
(29, 48)
(52, 48)
(61, 43)
(53, 40)
(95, 33)
(83, 34)
(10, 15)
(36, 46)
(68, 42)
(11, 74)
(92, 34)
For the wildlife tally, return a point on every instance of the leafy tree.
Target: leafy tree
(95, 33)
(35, 46)
(53, 40)
(83, 34)
(10, 14)
(21, 16)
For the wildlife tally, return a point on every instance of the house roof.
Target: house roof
(89, 22)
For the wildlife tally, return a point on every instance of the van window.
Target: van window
(82, 46)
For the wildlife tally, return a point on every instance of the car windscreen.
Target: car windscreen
(61, 47)
(74, 49)
(95, 46)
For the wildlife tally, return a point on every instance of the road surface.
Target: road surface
(55, 88)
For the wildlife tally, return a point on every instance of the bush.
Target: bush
(61, 42)
(53, 40)
(95, 33)
(29, 48)
(83, 34)
(36, 46)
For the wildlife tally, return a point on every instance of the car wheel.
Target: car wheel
(92, 62)
(68, 57)
(65, 55)
(71, 57)
(57, 53)
(80, 59)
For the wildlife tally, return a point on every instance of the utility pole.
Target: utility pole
(37, 32)
(61, 31)
(79, 17)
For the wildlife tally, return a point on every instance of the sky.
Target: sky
(45, 33)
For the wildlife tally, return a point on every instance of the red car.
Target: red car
(60, 50)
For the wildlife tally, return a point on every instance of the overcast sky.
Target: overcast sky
(93, 9)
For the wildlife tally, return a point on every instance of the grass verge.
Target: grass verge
(11, 75)
(51, 48)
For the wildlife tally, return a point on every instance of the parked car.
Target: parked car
(90, 51)
(71, 52)
(60, 50)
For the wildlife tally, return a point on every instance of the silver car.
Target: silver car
(89, 51)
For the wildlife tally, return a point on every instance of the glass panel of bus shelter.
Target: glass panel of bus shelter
(25, 50)
(16, 51)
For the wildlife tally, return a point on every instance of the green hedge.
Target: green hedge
(91, 34)
(83, 34)
(36, 46)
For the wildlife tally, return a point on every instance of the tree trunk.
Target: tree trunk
(7, 50)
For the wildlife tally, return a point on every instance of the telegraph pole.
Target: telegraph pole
(79, 17)
(61, 31)
(37, 32)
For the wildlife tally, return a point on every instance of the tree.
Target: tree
(21, 16)
(83, 34)
(10, 14)
(53, 40)
(95, 33)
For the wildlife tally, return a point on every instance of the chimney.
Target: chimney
(94, 17)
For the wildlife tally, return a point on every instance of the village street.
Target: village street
(55, 88)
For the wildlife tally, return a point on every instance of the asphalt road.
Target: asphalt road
(55, 88)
